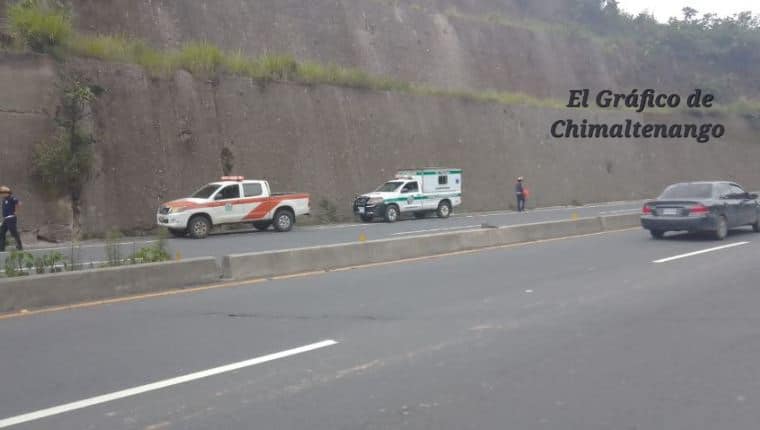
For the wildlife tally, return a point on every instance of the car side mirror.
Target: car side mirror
(219, 197)
(752, 196)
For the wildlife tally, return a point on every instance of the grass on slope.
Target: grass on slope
(203, 58)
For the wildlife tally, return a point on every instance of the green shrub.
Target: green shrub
(154, 253)
(63, 164)
(104, 47)
(59, 167)
(18, 263)
(41, 25)
(151, 254)
(153, 61)
(201, 58)
(239, 64)
(121, 48)
(278, 67)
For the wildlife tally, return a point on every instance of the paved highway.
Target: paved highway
(610, 331)
(223, 244)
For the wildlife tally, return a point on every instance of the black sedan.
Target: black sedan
(713, 207)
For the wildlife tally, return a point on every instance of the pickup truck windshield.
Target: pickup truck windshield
(389, 187)
(206, 191)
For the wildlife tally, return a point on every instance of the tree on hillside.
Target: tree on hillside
(689, 13)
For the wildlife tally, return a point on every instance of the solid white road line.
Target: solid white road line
(461, 227)
(704, 251)
(32, 416)
(620, 212)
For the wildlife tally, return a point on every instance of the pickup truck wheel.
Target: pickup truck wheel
(199, 227)
(721, 231)
(444, 209)
(420, 215)
(283, 220)
(366, 218)
(262, 225)
(391, 213)
(178, 232)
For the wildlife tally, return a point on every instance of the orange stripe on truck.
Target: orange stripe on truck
(264, 200)
(263, 209)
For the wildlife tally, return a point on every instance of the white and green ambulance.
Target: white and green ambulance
(416, 191)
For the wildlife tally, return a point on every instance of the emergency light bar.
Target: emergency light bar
(233, 178)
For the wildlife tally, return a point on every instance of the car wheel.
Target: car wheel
(721, 231)
(366, 218)
(178, 232)
(391, 213)
(199, 227)
(283, 220)
(756, 226)
(420, 215)
(444, 209)
(262, 225)
(657, 234)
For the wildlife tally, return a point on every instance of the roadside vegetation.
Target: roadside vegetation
(62, 164)
(22, 263)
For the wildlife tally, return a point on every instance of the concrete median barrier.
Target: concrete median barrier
(92, 285)
(302, 260)
(619, 222)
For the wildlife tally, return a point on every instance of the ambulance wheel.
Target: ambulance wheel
(420, 215)
(283, 220)
(391, 213)
(262, 225)
(178, 232)
(199, 227)
(366, 218)
(444, 209)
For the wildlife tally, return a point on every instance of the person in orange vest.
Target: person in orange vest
(521, 192)
(9, 222)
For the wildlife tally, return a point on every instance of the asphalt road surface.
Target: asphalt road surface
(609, 331)
(219, 245)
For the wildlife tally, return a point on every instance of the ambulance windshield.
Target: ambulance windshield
(389, 187)
(206, 191)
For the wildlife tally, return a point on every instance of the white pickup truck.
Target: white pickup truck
(418, 191)
(233, 200)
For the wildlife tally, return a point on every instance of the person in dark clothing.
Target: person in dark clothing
(520, 193)
(9, 222)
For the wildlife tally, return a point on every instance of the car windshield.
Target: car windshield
(206, 191)
(688, 191)
(389, 187)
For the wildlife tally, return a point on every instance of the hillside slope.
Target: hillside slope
(159, 138)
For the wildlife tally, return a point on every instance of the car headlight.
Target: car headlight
(374, 201)
(177, 210)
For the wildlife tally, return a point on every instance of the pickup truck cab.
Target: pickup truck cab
(416, 191)
(233, 200)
